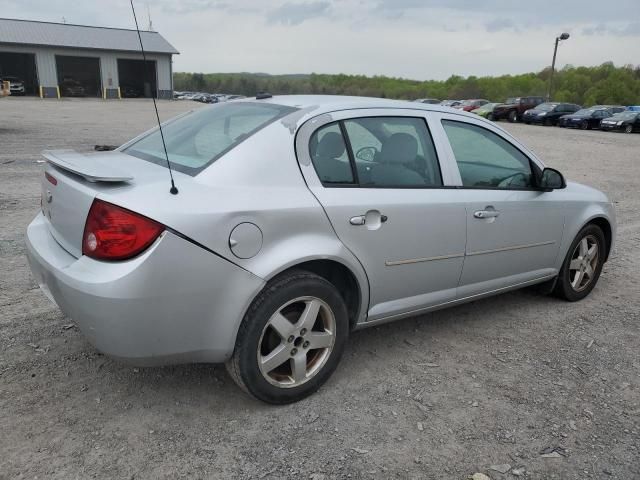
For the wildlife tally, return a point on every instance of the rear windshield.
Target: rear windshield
(196, 140)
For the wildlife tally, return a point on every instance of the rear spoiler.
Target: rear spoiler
(93, 168)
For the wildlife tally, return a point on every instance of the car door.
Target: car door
(597, 117)
(514, 230)
(378, 177)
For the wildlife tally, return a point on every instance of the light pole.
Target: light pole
(562, 36)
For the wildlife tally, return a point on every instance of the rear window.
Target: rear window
(196, 140)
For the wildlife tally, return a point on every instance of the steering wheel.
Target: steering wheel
(519, 179)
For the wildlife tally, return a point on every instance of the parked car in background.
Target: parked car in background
(634, 108)
(627, 122)
(450, 103)
(514, 108)
(431, 101)
(274, 284)
(129, 91)
(471, 104)
(205, 98)
(585, 119)
(72, 88)
(549, 113)
(611, 108)
(16, 85)
(486, 110)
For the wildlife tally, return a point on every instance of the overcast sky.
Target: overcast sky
(420, 39)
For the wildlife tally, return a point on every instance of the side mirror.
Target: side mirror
(366, 153)
(552, 179)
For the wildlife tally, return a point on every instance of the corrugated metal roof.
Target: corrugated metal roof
(27, 32)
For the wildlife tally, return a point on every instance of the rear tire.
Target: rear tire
(513, 116)
(274, 359)
(583, 264)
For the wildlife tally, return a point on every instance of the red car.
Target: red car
(472, 104)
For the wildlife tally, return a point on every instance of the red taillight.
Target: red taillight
(51, 178)
(114, 233)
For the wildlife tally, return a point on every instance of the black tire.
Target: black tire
(564, 289)
(547, 122)
(628, 128)
(584, 125)
(490, 117)
(513, 116)
(243, 365)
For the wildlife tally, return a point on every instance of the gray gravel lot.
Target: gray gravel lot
(444, 395)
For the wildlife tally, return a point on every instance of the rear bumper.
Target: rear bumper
(175, 303)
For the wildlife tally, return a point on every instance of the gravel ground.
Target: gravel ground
(444, 395)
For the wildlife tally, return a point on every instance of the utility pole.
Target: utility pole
(563, 36)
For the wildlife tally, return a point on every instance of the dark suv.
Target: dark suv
(549, 113)
(514, 108)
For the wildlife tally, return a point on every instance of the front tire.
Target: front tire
(583, 264)
(513, 116)
(628, 129)
(584, 125)
(291, 338)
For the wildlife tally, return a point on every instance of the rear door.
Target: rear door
(378, 177)
(514, 230)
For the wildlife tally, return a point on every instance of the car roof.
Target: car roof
(319, 104)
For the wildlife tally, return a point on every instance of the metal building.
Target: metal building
(59, 59)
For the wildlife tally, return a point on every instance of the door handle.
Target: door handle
(488, 213)
(373, 219)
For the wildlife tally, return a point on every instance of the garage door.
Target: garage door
(19, 69)
(79, 76)
(135, 80)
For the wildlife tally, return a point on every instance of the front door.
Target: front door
(513, 229)
(382, 188)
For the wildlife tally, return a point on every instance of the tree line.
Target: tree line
(603, 84)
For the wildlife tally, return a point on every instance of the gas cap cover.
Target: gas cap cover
(245, 240)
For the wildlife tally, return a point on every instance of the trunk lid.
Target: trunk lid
(72, 180)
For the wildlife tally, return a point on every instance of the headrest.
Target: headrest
(399, 148)
(331, 146)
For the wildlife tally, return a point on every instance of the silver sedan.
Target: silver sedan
(298, 220)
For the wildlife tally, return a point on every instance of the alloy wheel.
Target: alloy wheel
(296, 342)
(628, 129)
(584, 263)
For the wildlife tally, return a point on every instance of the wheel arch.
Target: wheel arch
(354, 293)
(605, 226)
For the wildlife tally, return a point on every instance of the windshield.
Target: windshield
(198, 139)
(546, 107)
(512, 101)
(624, 116)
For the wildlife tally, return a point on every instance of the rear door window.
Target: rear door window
(393, 152)
(388, 152)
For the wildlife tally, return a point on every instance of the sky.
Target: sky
(418, 39)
